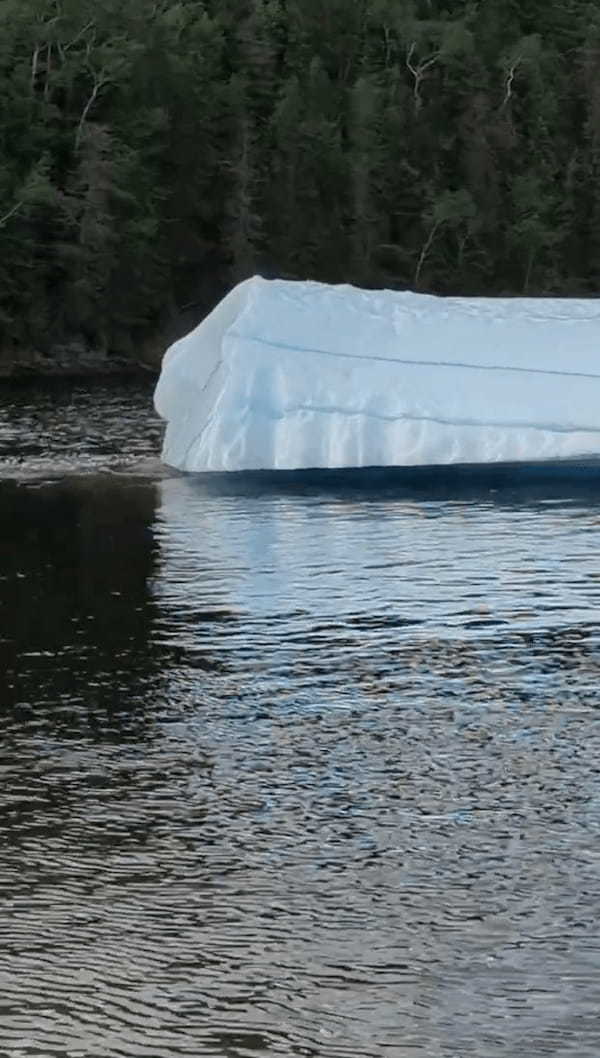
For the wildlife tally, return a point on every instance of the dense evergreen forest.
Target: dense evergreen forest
(153, 152)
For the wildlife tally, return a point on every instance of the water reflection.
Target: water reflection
(75, 614)
(308, 771)
(452, 567)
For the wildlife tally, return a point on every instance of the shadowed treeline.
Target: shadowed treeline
(151, 155)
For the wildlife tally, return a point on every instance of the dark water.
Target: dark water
(291, 770)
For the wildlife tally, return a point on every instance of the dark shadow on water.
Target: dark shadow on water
(576, 479)
(75, 611)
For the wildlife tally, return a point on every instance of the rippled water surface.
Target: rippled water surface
(291, 768)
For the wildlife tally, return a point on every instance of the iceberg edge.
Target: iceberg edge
(286, 375)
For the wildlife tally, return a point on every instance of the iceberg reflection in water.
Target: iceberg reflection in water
(505, 481)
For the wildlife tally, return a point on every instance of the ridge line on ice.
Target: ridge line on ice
(415, 363)
(198, 437)
(328, 409)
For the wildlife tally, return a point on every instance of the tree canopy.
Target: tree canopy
(154, 152)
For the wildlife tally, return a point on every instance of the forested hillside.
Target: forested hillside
(152, 153)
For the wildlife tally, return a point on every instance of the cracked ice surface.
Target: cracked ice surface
(288, 375)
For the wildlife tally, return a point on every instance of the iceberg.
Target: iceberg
(286, 375)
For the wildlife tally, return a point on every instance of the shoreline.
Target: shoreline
(74, 362)
(20, 372)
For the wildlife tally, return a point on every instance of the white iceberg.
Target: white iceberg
(287, 375)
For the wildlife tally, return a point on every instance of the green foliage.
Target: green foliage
(151, 154)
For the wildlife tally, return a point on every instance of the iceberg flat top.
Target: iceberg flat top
(289, 375)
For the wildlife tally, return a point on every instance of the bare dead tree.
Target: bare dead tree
(388, 45)
(11, 212)
(418, 71)
(48, 70)
(425, 250)
(43, 43)
(100, 81)
(34, 66)
(100, 78)
(508, 83)
(63, 48)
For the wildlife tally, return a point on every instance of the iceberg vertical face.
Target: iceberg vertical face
(288, 375)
